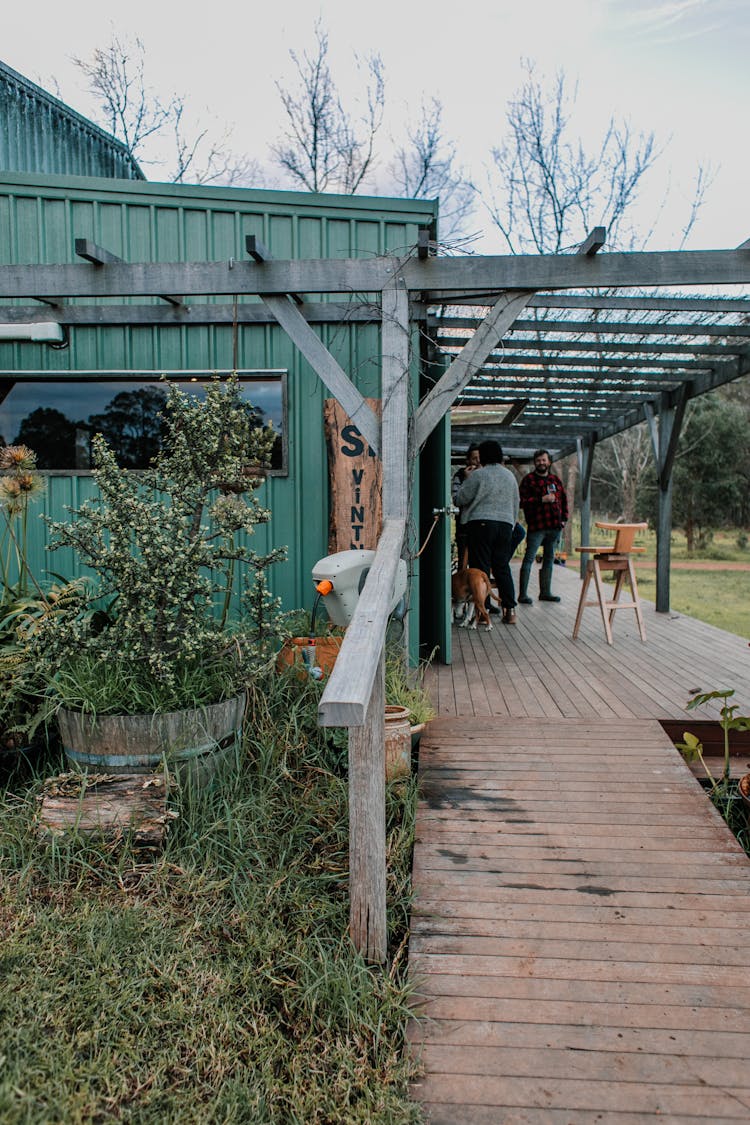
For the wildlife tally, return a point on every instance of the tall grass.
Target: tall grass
(212, 981)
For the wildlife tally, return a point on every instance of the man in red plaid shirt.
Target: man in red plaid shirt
(545, 507)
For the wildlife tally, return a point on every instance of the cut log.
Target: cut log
(109, 805)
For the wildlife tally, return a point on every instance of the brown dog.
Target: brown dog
(470, 589)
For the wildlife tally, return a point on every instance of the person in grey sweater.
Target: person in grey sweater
(489, 496)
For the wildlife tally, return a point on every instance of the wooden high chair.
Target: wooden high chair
(616, 558)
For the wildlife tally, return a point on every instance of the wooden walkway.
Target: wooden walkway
(579, 930)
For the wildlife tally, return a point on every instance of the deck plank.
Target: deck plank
(578, 931)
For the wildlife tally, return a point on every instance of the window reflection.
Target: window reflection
(58, 419)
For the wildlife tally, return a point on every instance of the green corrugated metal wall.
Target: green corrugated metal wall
(39, 133)
(40, 217)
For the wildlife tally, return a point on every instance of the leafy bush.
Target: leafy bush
(165, 548)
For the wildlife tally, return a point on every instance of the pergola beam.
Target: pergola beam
(565, 300)
(433, 274)
(538, 376)
(643, 347)
(287, 312)
(442, 396)
(547, 364)
(98, 256)
(329, 370)
(622, 328)
(195, 314)
(593, 243)
(609, 371)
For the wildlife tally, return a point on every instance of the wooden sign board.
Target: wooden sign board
(355, 474)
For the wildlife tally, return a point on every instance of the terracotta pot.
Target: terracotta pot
(397, 742)
(293, 654)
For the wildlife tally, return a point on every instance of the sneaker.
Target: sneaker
(548, 598)
(492, 609)
(524, 599)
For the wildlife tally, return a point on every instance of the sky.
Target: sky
(675, 67)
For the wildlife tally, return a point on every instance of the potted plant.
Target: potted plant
(305, 632)
(404, 687)
(151, 656)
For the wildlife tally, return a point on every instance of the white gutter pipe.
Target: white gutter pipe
(42, 332)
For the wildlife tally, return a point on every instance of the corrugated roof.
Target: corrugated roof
(39, 133)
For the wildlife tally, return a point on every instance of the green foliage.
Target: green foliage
(164, 547)
(212, 982)
(720, 598)
(723, 791)
(711, 477)
(299, 624)
(404, 687)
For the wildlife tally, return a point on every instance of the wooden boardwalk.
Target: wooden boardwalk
(579, 929)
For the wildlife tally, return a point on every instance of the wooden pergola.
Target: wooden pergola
(571, 343)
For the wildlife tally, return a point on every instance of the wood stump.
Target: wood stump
(109, 805)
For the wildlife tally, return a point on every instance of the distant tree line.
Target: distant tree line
(132, 423)
(711, 474)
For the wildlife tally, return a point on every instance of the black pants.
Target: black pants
(490, 550)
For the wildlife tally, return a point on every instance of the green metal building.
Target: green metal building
(42, 216)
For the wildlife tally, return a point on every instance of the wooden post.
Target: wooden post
(585, 452)
(664, 439)
(395, 396)
(396, 447)
(367, 914)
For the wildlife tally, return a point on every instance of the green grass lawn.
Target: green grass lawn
(724, 547)
(214, 981)
(718, 597)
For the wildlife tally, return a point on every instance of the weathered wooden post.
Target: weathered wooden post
(367, 871)
(585, 455)
(354, 698)
(664, 438)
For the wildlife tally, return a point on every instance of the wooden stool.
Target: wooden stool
(616, 558)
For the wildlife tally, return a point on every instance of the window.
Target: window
(57, 417)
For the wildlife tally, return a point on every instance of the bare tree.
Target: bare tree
(619, 469)
(547, 190)
(425, 166)
(134, 113)
(116, 76)
(324, 146)
(201, 158)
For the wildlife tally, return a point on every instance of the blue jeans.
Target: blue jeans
(548, 539)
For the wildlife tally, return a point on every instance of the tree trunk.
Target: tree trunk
(571, 482)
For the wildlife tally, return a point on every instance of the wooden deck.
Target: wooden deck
(579, 930)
